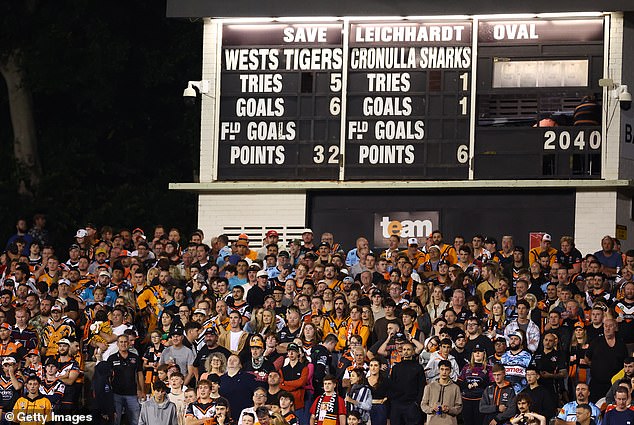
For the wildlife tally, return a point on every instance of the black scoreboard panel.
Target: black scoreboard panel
(530, 72)
(278, 83)
(391, 99)
(407, 112)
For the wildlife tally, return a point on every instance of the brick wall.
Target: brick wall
(615, 61)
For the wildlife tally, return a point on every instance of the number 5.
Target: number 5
(335, 81)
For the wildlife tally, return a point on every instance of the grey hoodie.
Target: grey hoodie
(153, 413)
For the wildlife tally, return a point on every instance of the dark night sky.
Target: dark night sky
(107, 82)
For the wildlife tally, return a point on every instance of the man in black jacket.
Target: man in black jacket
(408, 383)
(321, 358)
(544, 402)
(498, 400)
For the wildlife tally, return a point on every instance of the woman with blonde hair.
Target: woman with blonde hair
(152, 273)
(421, 293)
(254, 325)
(215, 364)
(437, 303)
(269, 322)
(473, 380)
(496, 321)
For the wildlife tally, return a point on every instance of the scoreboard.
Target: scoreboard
(396, 99)
(408, 96)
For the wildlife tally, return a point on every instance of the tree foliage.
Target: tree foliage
(106, 80)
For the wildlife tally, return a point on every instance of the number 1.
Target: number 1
(463, 103)
(465, 81)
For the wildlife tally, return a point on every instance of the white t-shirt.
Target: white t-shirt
(235, 340)
(112, 348)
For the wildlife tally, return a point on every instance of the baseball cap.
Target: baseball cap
(177, 331)
(74, 246)
(292, 347)
(271, 233)
(444, 262)
(6, 326)
(81, 233)
(138, 230)
(311, 256)
(243, 237)
(64, 341)
(104, 273)
(101, 251)
(284, 254)
(547, 237)
(500, 339)
(412, 241)
(63, 281)
(210, 331)
(200, 311)
(478, 347)
(348, 279)
(262, 273)
(254, 268)
(33, 352)
(297, 242)
(489, 239)
(376, 292)
(307, 230)
(288, 267)
(56, 307)
(8, 360)
(326, 244)
(256, 343)
(399, 336)
(241, 242)
(516, 334)
(460, 335)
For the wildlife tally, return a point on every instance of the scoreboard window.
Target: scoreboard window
(540, 73)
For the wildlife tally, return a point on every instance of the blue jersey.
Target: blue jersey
(515, 367)
(568, 412)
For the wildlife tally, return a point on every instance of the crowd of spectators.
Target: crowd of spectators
(159, 328)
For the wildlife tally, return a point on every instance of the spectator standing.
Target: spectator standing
(498, 400)
(407, 385)
(127, 381)
(605, 355)
(158, 409)
(441, 398)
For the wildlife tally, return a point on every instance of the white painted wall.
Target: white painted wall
(595, 217)
(211, 59)
(216, 211)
